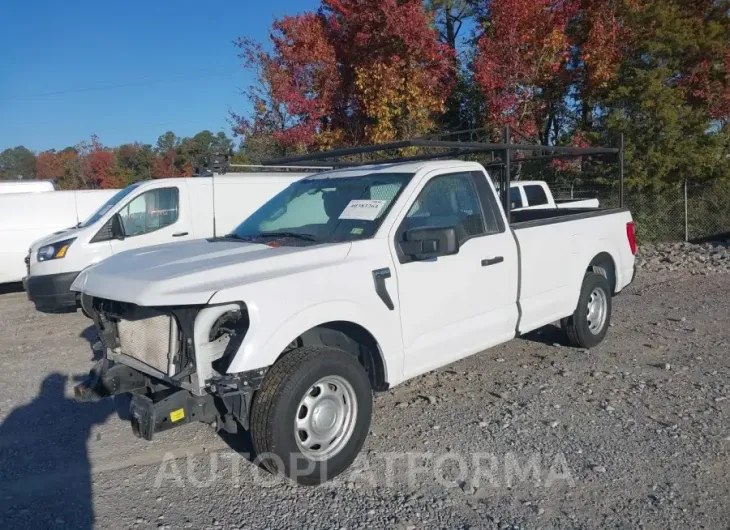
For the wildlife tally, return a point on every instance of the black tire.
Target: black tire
(84, 301)
(576, 326)
(276, 405)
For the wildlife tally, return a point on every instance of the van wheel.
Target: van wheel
(589, 323)
(311, 415)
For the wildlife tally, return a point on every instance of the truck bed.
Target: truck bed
(546, 216)
(555, 254)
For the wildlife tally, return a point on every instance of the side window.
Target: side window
(490, 206)
(150, 211)
(535, 195)
(515, 198)
(450, 200)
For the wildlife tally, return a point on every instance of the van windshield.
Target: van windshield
(325, 209)
(108, 205)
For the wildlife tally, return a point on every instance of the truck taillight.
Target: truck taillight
(631, 235)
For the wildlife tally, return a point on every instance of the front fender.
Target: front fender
(265, 341)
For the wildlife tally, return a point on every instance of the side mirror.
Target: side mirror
(426, 243)
(117, 227)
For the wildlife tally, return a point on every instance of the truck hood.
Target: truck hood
(192, 272)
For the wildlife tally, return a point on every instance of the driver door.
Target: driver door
(154, 217)
(454, 306)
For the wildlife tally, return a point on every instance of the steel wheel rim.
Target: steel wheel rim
(325, 418)
(597, 310)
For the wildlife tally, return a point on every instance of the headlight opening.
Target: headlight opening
(54, 251)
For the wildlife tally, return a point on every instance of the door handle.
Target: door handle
(179, 234)
(492, 261)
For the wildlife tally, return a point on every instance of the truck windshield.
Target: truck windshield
(325, 209)
(108, 205)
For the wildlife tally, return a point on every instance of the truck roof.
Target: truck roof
(400, 167)
(527, 183)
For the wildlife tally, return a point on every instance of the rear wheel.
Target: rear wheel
(311, 415)
(589, 323)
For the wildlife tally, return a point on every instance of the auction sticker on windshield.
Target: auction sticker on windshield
(363, 209)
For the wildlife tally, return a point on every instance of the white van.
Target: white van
(147, 213)
(25, 217)
(26, 186)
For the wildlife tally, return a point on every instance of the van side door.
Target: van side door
(154, 217)
(456, 305)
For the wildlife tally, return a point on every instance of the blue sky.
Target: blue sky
(125, 70)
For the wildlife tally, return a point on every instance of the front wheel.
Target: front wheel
(311, 415)
(588, 324)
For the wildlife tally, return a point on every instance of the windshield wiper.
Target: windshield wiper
(294, 235)
(236, 236)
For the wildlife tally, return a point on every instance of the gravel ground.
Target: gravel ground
(633, 433)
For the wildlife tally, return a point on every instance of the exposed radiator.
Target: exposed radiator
(148, 339)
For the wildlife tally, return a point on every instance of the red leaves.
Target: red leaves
(709, 85)
(101, 169)
(521, 57)
(165, 166)
(534, 51)
(50, 165)
(603, 44)
(315, 85)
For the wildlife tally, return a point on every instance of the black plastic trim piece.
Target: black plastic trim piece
(379, 277)
(104, 233)
(492, 261)
(51, 292)
(548, 216)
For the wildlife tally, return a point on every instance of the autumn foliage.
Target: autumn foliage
(91, 165)
(568, 72)
(535, 52)
(355, 71)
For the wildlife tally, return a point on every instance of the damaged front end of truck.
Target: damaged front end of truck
(173, 361)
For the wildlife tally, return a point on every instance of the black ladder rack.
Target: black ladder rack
(455, 149)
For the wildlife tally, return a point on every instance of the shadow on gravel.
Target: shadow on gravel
(550, 334)
(13, 287)
(45, 472)
(92, 337)
(240, 442)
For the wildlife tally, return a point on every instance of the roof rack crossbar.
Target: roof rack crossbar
(500, 163)
(268, 166)
(460, 147)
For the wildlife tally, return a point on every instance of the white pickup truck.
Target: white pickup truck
(535, 195)
(348, 282)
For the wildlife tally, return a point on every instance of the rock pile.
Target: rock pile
(694, 258)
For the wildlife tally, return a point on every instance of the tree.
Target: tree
(670, 93)
(356, 71)
(166, 142)
(99, 166)
(134, 162)
(143, 161)
(521, 63)
(17, 162)
(63, 166)
(449, 17)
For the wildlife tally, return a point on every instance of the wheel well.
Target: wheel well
(351, 338)
(603, 264)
